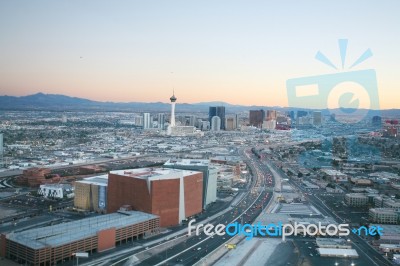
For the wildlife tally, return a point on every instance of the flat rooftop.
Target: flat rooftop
(332, 242)
(61, 234)
(155, 173)
(333, 172)
(337, 252)
(100, 180)
(384, 210)
(296, 208)
(357, 195)
(188, 162)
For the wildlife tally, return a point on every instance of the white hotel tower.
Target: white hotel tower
(173, 100)
(172, 120)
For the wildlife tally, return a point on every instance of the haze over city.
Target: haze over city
(231, 51)
(197, 133)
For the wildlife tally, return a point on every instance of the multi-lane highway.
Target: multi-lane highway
(359, 244)
(194, 248)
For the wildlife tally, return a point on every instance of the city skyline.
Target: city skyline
(226, 51)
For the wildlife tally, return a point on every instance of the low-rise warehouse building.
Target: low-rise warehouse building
(57, 243)
(333, 243)
(337, 252)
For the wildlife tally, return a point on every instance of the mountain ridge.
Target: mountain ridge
(60, 102)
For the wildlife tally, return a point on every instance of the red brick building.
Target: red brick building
(34, 177)
(171, 194)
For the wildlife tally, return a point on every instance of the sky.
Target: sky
(241, 52)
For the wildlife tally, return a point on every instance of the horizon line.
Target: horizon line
(194, 103)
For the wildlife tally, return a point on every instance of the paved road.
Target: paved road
(195, 248)
(360, 245)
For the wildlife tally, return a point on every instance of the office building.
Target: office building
(393, 204)
(256, 118)
(191, 120)
(147, 123)
(230, 123)
(384, 215)
(269, 125)
(180, 120)
(172, 194)
(161, 121)
(217, 111)
(356, 199)
(317, 118)
(209, 171)
(271, 115)
(237, 121)
(377, 121)
(205, 125)
(56, 244)
(216, 123)
(91, 194)
(138, 120)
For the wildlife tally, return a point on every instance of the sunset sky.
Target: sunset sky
(241, 52)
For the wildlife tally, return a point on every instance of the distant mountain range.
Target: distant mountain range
(57, 102)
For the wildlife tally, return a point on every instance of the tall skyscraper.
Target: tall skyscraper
(301, 114)
(147, 123)
(230, 123)
(192, 120)
(377, 121)
(292, 115)
(161, 121)
(317, 118)
(256, 118)
(217, 111)
(173, 100)
(205, 125)
(215, 123)
(138, 120)
(237, 121)
(271, 115)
